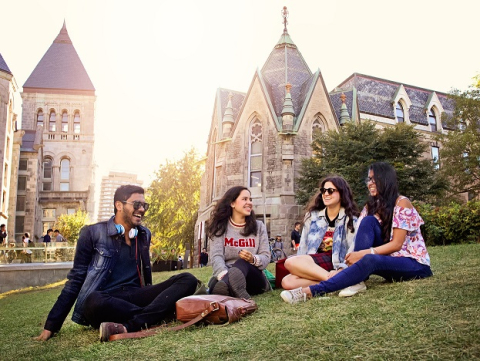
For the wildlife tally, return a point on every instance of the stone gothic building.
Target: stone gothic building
(258, 138)
(52, 161)
(8, 88)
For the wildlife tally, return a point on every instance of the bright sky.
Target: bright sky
(156, 64)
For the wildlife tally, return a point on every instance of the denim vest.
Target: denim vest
(97, 252)
(314, 229)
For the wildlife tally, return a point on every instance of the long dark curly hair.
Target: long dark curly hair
(383, 203)
(217, 225)
(346, 199)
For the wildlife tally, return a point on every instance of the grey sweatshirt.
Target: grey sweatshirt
(224, 249)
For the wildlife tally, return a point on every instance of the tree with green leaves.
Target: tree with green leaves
(70, 225)
(460, 150)
(174, 198)
(349, 151)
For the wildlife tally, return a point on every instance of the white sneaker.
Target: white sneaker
(353, 290)
(294, 296)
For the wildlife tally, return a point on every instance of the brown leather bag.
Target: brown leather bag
(206, 309)
(213, 309)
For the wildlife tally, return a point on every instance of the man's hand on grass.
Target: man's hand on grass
(44, 336)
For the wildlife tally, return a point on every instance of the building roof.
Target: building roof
(28, 140)
(237, 101)
(286, 65)
(3, 65)
(337, 103)
(60, 68)
(376, 96)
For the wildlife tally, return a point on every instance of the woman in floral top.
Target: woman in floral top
(388, 240)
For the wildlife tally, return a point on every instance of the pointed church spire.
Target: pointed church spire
(60, 69)
(287, 111)
(285, 39)
(63, 37)
(228, 119)
(344, 116)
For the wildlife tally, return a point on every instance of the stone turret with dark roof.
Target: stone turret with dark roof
(286, 65)
(60, 70)
(3, 65)
(58, 123)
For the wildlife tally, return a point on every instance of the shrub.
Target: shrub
(452, 224)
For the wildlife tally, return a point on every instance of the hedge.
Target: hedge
(452, 224)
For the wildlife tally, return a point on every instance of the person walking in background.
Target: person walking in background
(48, 237)
(58, 236)
(27, 253)
(389, 242)
(328, 235)
(3, 242)
(203, 258)
(111, 279)
(59, 239)
(295, 236)
(278, 248)
(239, 247)
(3, 235)
(278, 242)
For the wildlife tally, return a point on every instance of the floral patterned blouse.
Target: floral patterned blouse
(409, 220)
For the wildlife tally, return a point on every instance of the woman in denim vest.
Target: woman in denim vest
(388, 243)
(327, 237)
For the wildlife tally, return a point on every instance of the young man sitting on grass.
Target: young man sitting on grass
(111, 278)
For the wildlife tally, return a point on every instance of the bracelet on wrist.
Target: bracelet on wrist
(372, 250)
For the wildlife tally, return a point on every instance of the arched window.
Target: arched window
(432, 120)
(47, 174)
(65, 175)
(317, 128)
(399, 113)
(256, 154)
(40, 117)
(64, 121)
(51, 122)
(76, 123)
(435, 157)
(215, 166)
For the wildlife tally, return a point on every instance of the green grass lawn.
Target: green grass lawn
(435, 318)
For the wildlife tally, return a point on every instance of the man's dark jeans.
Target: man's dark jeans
(139, 308)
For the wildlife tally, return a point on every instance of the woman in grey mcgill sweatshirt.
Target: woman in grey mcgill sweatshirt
(239, 247)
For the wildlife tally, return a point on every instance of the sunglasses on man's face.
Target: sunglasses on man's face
(330, 191)
(138, 204)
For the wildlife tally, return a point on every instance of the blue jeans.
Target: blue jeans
(369, 234)
(390, 268)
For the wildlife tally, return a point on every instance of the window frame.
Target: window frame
(42, 114)
(431, 115)
(52, 125)
(64, 127)
(255, 138)
(77, 123)
(399, 107)
(435, 157)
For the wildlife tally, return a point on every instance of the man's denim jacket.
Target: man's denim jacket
(97, 252)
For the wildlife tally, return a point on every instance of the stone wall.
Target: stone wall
(17, 276)
(58, 145)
